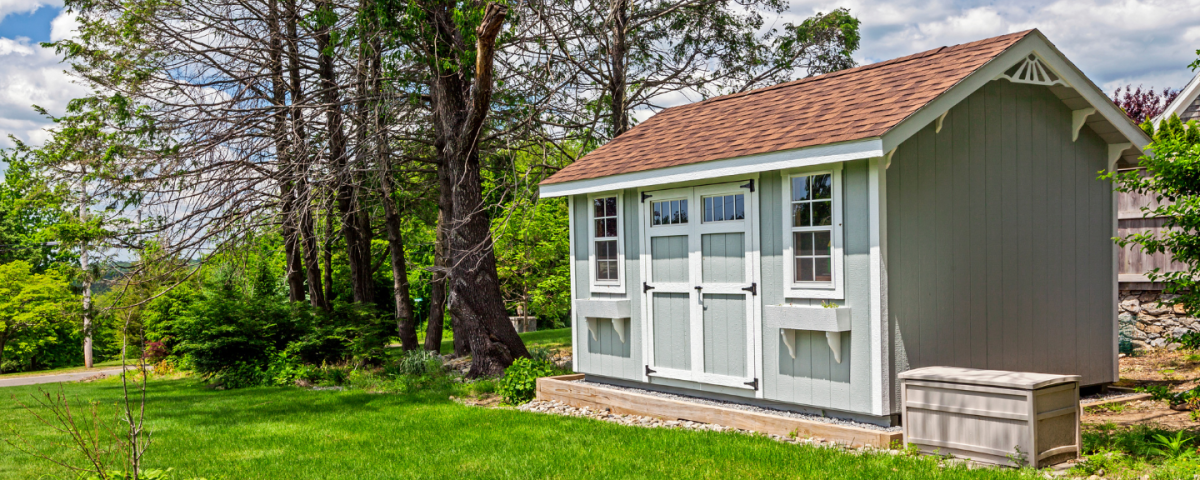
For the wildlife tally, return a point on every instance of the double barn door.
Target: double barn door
(699, 284)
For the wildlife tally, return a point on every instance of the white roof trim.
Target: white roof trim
(1181, 102)
(1033, 43)
(803, 157)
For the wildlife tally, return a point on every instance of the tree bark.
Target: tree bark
(283, 152)
(437, 287)
(299, 157)
(616, 52)
(358, 246)
(476, 305)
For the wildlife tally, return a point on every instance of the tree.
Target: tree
(1170, 172)
(1142, 105)
(31, 304)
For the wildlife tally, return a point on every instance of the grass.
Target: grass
(292, 433)
(556, 338)
(97, 365)
(1138, 452)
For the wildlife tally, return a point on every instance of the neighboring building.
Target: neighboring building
(800, 245)
(1186, 105)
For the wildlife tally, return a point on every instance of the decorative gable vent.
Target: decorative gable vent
(1031, 70)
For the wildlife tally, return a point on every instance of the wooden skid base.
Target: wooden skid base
(565, 390)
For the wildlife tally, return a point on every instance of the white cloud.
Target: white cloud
(32, 76)
(24, 6)
(64, 26)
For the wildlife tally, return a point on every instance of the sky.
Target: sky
(1139, 42)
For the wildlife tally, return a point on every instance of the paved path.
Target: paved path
(57, 378)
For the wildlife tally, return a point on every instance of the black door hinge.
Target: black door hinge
(650, 370)
(750, 186)
(645, 196)
(753, 384)
(646, 287)
(753, 289)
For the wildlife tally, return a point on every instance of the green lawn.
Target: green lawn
(560, 337)
(292, 433)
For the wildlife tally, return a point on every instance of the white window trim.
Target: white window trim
(606, 286)
(833, 290)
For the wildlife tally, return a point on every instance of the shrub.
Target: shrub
(520, 380)
(154, 352)
(1190, 340)
(416, 363)
(1157, 392)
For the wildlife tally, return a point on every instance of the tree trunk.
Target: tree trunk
(328, 250)
(358, 246)
(616, 53)
(299, 157)
(283, 152)
(437, 287)
(476, 306)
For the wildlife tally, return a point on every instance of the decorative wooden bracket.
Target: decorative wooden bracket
(1114, 153)
(941, 118)
(1078, 117)
(835, 343)
(618, 324)
(789, 339)
(887, 158)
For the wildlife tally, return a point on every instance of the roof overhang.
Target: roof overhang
(1181, 101)
(782, 160)
(1126, 140)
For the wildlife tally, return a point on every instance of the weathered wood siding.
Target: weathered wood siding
(999, 241)
(1132, 262)
(607, 355)
(813, 378)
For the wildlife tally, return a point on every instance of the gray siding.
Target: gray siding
(725, 334)
(669, 259)
(608, 356)
(999, 250)
(672, 333)
(813, 377)
(723, 257)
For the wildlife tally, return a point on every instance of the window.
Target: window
(604, 219)
(670, 212)
(724, 208)
(605, 243)
(812, 227)
(813, 234)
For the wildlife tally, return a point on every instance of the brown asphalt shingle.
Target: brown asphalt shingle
(852, 104)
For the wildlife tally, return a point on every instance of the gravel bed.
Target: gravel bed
(749, 408)
(559, 408)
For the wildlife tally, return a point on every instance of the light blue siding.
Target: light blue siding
(725, 334)
(669, 259)
(672, 331)
(723, 257)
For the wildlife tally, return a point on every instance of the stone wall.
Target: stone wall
(1145, 324)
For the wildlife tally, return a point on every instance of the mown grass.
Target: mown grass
(559, 337)
(293, 433)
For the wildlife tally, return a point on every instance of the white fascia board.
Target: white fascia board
(1032, 43)
(765, 162)
(1181, 102)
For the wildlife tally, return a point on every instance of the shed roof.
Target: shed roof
(847, 105)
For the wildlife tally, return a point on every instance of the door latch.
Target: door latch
(753, 289)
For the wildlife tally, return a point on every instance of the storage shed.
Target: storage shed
(798, 246)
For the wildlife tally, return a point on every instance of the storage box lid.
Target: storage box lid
(993, 378)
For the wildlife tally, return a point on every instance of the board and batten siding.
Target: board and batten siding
(608, 356)
(813, 378)
(999, 250)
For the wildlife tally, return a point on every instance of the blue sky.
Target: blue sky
(1147, 42)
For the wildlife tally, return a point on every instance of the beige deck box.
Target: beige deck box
(992, 416)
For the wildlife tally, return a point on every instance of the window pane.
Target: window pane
(823, 270)
(799, 189)
(803, 243)
(739, 207)
(604, 270)
(600, 228)
(598, 207)
(708, 209)
(674, 212)
(804, 270)
(822, 213)
(800, 215)
(821, 243)
(658, 213)
(610, 227)
(729, 210)
(718, 209)
(822, 186)
(683, 214)
(610, 207)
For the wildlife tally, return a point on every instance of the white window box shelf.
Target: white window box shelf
(789, 318)
(593, 311)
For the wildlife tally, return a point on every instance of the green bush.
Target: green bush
(519, 382)
(415, 363)
(1190, 340)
